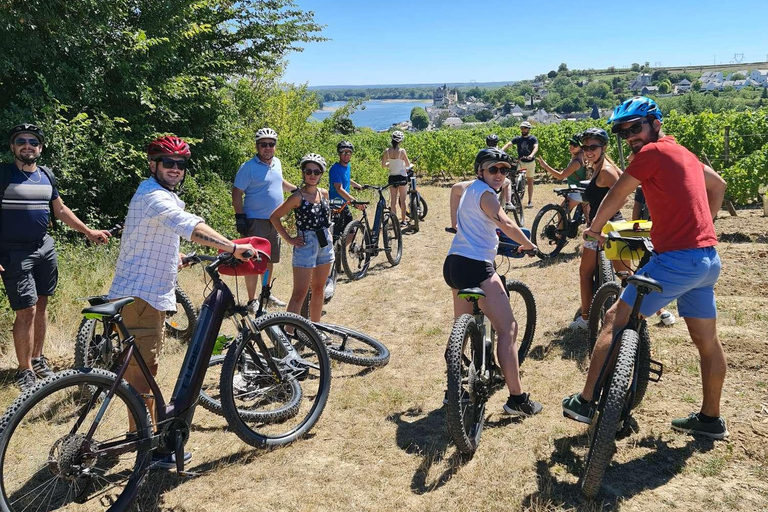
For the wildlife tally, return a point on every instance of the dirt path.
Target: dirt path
(381, 443)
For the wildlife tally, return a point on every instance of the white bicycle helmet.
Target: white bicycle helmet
(397, 136)
(312, 157)
(266, 133)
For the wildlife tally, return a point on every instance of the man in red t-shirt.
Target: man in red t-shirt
(683, 197)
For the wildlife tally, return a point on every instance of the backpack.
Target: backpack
(6, 170)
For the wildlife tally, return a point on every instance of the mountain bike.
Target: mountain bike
(363, 243)
(604, 273)
(517, 191)
(554, 224)
(615, 394)
(62, 447)
(416, 202)
(473, 373)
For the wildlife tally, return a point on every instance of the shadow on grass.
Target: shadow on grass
(426, 436)
(573, 344)
(621, 480)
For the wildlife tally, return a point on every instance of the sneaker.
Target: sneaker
(25, 379)
(525, 409)
(529, 205)
(579, 324)
(509, 206)
(692, 425)
(253, 306)
(41, 368)
(576, 409)
(404, 224)
(161, 461)
(667, 318)
(329, 290)
(274, 301)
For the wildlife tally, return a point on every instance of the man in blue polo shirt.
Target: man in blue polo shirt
(261, 180)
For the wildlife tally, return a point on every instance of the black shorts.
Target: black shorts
(29, 273)
(398, 181)
(341, 221)
(460, 272)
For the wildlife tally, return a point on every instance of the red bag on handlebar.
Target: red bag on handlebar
(254, 266)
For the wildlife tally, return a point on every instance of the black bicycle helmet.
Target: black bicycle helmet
(345, 144)
(492, 140)
(491, 155)
(27, 128)
(595, 133)
(575, 139)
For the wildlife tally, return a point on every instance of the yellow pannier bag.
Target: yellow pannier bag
(617, 250)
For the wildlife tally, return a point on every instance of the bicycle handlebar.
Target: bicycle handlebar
(380, 188)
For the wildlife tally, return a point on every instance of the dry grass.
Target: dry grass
(381, 443)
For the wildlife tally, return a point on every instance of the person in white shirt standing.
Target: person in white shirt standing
(149, 258)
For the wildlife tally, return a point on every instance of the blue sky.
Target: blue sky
(427, 41)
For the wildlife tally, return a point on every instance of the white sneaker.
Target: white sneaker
(578, 324)
(667, 318)
(253, 306)
(329, 290)
(509, 206)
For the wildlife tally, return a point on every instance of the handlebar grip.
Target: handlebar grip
(190, 258)
(115, 230)
(355, 203)
(248, 254)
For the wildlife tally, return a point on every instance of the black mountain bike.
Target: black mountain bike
(363, 243)
(473, 374)
(554, 224)
(61, 447)
(416, 202)
(618, 389)
(517, 191)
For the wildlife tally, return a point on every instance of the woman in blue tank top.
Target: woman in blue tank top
(470, 264)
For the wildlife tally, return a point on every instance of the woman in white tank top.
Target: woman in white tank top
(470, 264)
(396, 160)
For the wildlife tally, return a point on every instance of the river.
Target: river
(378, 114)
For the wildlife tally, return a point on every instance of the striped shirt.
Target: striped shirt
(149, 249)
(26, 208)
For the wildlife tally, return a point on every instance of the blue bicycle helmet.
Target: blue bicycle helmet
(634, 108)
(595, 133)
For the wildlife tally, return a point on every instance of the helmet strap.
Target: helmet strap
(27, 159)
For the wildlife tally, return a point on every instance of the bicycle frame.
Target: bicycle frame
(381, 208)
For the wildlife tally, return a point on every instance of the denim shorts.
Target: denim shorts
(311, 255)
(687, 275)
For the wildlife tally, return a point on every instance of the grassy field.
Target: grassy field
(381, 443)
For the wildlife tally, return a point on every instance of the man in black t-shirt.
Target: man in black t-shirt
(527, 147)
(28, 264)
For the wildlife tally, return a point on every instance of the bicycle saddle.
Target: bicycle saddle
(471, 293)
(109, 309)
(645, 282)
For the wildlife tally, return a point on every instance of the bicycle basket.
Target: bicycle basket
(257, 265)
(618, 250)
(511, 249)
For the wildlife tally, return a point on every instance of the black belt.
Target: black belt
(8, 246)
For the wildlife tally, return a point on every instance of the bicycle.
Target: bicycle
(617, 390)
(416, 202)
(554, 224)
(60, 446)
(473, 374)
(516, 193)
(363, 244)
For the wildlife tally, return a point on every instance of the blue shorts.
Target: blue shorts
(311, 255)
(687, 275)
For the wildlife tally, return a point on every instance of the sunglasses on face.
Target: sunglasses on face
(315, 172)
(267, 144)
(591, 147)
(498, 168)
(32, 142)
(168, 163)
(632, 130)
(345, 152)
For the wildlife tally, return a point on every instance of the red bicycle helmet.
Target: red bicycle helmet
(168, 145)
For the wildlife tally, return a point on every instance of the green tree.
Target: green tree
(562, 68)
(552, 74)
(419, 118)
(635, 66)
(665, 87)
(738, 76)
(696, 85)
(484, 115)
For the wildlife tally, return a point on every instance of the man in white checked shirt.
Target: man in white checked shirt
(149, 258)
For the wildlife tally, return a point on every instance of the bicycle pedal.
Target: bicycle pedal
(188, 474)
(655, 371)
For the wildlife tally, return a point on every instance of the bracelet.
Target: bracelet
(234, 248)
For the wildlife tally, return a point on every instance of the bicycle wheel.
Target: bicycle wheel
(605, 271)
(356, 256)
(291, 345)
(393, 239)
(517, 209)
(353, 347)
(304, 311)
(643, 366)
(95, 350)
(413, 211)
(549, 230)
(181, 323)
(333, 278)
(465, 410)
(602, 301)
(46, 461)
(423, 208)
(524, 308)
(609, 415)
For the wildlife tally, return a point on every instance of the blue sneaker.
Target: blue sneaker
(163, 461)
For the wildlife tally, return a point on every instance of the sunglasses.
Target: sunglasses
(345, 152)
(32, 142)
(498, 168)
(592, 147)
(632, 130)
(267, 144)
(168, 163)
(315, 172)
